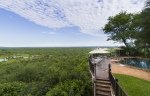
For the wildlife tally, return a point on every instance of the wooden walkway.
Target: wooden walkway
(102, 85)
(102, 69)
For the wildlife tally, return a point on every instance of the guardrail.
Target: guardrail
(91, 66)
(118, 91)
(93, 71)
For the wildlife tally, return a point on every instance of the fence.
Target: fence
(115, 86)
(93, 71)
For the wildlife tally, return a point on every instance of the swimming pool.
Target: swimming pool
(136, 62)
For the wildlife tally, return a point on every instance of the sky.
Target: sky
(59, 23)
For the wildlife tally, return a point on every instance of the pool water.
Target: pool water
(136, 62)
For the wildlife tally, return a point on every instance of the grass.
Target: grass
(134, 86)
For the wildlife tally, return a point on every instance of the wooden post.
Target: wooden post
(109, 66)
(95, 70)
(94, 89)
(116, 89)
(94, 79)
(109, 71)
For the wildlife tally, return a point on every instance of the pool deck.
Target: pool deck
(128, 70)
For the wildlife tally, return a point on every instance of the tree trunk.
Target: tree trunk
(126, 44)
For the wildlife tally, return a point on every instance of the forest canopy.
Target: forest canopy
(45, 72)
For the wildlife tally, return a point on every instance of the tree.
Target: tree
(147, 4)
(121, 28)
(145, 16)
(143, 40)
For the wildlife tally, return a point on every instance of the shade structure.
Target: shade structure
(100, 51)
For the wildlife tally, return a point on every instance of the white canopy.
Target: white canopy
(100, 51)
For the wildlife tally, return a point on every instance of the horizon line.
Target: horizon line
(50, 46)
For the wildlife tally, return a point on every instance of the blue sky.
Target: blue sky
(49, 23)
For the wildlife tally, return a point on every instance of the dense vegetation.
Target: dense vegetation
(131, 29)
(134, 86)
(45, 72)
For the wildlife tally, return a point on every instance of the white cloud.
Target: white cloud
(89, 15)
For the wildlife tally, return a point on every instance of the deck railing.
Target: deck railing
(94, 79)
(93, 71)
(91, 66)
(118, 91)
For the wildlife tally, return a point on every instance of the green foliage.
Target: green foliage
(47, 70)
(120, 28)
(70, 88)
(145, 15)
(142, 41)
(12, 89)
(134, 86)
(131, 29)
(147, 3)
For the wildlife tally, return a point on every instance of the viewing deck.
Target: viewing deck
(104, 84)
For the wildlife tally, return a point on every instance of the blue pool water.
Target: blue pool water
(140, 63)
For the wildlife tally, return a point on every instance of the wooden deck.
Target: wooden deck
(102, 69)
(102, 85)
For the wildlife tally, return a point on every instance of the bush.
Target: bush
(70, 88)
(12, 89)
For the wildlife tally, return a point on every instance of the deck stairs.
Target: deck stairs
(103, 87)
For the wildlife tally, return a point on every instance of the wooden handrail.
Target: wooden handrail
(93, 71)
(94, 79)
(118, 91)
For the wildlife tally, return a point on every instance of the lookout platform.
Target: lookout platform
(100, 75)
(104, 83)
